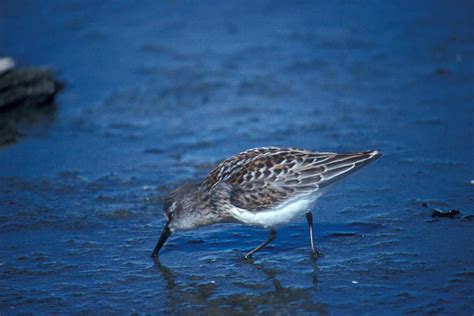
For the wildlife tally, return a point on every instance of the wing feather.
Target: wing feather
(263, 178)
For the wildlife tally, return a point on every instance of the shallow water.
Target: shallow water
(158, 93)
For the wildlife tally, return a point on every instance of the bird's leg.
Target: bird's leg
(316, 253)
(263, 244)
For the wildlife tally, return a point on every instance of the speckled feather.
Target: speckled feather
(263, 178)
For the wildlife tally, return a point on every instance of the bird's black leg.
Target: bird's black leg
(263, 244)
(314, 249)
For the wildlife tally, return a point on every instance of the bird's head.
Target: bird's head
(179, 210)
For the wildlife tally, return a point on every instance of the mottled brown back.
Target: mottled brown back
(263, 178)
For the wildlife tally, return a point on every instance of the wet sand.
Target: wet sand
(158, 93)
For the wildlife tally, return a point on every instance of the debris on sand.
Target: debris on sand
(440, 213)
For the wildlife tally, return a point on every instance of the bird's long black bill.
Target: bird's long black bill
(164, 236)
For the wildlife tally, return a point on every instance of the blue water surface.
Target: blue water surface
(159, 91)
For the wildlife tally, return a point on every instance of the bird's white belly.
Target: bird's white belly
(277, 216)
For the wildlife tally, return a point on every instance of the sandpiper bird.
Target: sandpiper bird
(266, 187)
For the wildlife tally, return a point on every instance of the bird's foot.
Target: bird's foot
(315, 254)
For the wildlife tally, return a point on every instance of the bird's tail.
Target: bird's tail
(339, 166)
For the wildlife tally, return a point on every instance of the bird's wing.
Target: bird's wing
(263, 178)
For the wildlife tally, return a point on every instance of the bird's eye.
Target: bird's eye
(170, 210)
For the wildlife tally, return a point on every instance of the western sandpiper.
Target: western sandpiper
(266, 187)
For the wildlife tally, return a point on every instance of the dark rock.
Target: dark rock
(450, 214)
(27, 87)
(25, 94)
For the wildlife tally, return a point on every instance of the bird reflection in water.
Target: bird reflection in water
(181, 291)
